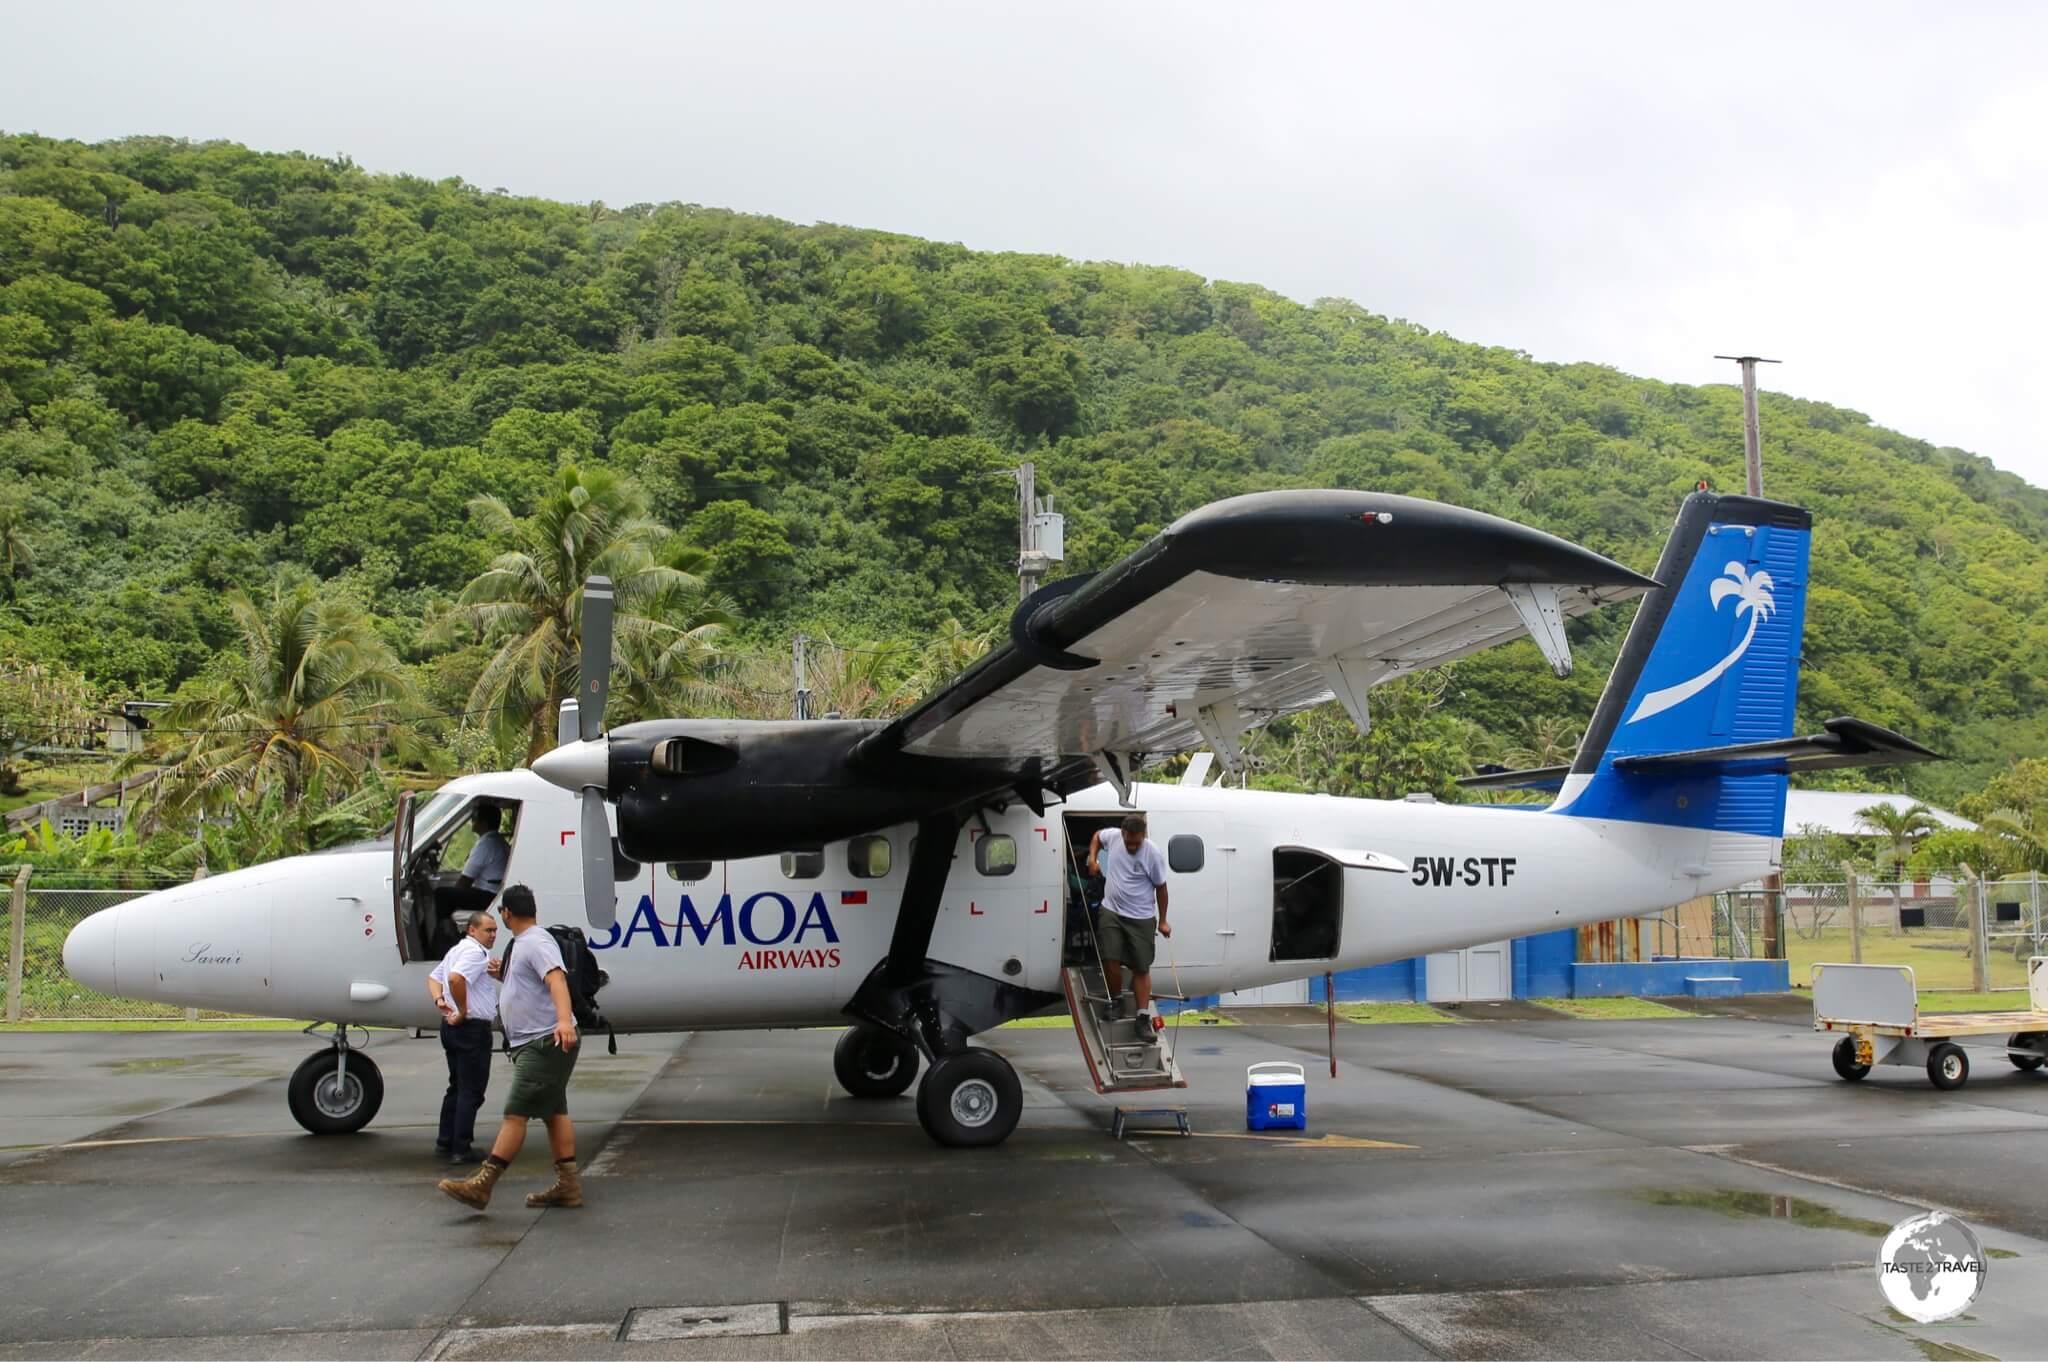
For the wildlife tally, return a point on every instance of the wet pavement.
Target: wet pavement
(1699, 1187)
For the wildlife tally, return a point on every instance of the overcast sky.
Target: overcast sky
(1860, 190)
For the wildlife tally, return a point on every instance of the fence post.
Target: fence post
(1855, 915)
(17, 937)
(1980, 943)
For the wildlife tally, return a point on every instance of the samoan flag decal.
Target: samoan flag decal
(853, 898)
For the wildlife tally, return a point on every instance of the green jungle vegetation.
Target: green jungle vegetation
(322, 456)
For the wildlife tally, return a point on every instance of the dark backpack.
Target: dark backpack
(579, 969)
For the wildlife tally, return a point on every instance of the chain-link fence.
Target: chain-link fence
(1940, 925)
(2012, 917)
(55, 902)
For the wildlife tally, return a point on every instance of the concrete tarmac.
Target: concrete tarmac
(1699, 1187)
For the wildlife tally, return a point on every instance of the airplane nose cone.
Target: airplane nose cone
(575, 765)
(89, 950)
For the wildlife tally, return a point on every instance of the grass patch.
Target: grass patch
(1198, 1017)
(1610, 1009)
(1943, 1000)
(1376, 1013)
(1935, 953)
(1195, 1018)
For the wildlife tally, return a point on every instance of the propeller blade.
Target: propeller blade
(596, 678)
(600, 891)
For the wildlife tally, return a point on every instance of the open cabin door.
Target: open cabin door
(407, 928)
(1310, 885)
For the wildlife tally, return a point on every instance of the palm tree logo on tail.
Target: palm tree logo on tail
(1753, 598)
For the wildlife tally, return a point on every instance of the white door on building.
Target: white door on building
(1294, 991)
(1477, 974)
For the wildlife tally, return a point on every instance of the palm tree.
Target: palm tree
(2024, 832)
(303, 706)
(952, 652)
(1550, 741)
(1902, 830)
(529, 602)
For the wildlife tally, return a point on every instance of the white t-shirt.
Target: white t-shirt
(469, 959)
(486, 864)
(523, 1000)
(1127, 880)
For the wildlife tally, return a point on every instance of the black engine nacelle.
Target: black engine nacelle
(722, 789)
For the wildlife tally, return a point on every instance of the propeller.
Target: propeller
(580, 763)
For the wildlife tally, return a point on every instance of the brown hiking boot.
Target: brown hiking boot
(567, 1191)
(474, 1190)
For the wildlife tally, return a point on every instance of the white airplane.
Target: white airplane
(914, 876)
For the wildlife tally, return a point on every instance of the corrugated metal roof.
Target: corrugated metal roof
(1835, 811)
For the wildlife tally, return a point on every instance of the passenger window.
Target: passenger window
(868, 857)
(803, 865)
(995, 854)
(1184, 854)
(689, 872)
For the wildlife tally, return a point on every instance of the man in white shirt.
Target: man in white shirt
(483, 873)
(465, 991)
(540, 1028)
(1133, 906)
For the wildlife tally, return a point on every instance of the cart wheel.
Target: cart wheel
(2029, 1063)
(1845, 1060)
(1947, 1066)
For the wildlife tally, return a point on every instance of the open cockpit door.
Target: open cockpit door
(410, 945)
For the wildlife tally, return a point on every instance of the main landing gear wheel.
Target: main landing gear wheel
(872, 1062)
(2028, 1063)
(328, 1099)
(1948, 1067)
(970, 1100)
(1845, 1060)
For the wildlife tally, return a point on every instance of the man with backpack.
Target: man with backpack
(536, 1009)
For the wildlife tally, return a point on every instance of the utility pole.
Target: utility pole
(1752, 433)
(803, 691)
(1753, 462)
(1030, 565)
(1041, 532)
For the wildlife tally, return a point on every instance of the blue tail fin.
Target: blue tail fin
(1712, 660)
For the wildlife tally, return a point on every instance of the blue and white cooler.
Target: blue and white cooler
(1276, 1096)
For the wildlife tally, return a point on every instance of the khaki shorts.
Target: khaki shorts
(1129, 939)
(540, 1078)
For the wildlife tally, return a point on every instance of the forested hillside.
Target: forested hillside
(217, 363)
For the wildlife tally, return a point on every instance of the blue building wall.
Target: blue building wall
(1545, 967)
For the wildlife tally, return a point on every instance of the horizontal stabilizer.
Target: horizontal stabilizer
(1847, 742)
(1500, 778)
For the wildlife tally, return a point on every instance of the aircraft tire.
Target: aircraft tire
(970, 1100)
(1948, 1067)
(1845, 1060)
(325, 1108)
(2026, 1063)
(871, 1062)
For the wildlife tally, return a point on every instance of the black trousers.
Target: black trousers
(448, 901)
(468, 1048)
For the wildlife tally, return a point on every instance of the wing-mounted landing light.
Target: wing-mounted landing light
(582, 761)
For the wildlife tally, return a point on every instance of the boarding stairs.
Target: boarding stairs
(1123, 1054)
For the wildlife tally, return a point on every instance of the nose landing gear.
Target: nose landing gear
(336, 1091)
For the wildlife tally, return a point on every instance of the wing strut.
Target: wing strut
(931, 1003)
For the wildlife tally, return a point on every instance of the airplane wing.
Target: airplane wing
(1253, 607)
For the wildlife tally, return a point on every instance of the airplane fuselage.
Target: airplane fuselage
(785, 941)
